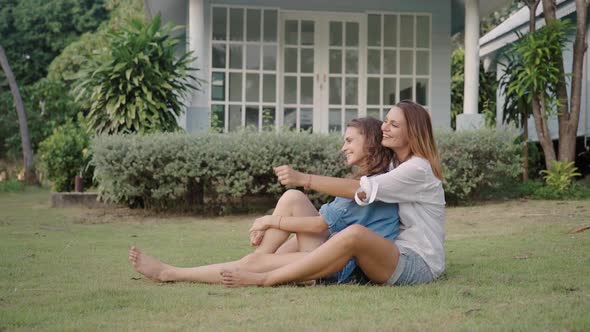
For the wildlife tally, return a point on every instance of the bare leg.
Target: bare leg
(376, 256)
(291, 203)
(158, 271)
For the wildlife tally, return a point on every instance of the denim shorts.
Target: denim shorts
(411, 269)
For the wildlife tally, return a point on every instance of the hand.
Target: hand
(362, 195)
(262, 223)
(256, 238)
(290, 177)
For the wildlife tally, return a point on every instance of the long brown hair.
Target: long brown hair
(420, 137)
(378, 156)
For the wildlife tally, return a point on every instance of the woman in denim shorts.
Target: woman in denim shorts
(414, 182)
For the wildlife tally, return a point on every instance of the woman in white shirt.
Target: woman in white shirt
(415, 182)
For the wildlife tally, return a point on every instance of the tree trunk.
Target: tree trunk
(30, 176)
(569, 110)
(525, 114)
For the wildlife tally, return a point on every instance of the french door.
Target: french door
(322, 67)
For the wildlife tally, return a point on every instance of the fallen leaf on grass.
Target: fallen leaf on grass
(135, 278)
(579, 229)
(472, 310)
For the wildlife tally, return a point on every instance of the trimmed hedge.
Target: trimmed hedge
(221, 173)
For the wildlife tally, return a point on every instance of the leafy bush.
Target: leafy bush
(137, 83)
(217, 171)
(560, 176)
(475, 160)
(186, 172)
(64, 155)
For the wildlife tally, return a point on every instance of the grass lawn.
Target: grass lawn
(510, 266)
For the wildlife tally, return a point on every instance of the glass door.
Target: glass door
(321, 60)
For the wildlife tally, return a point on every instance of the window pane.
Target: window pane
(218, 55)
(290, 90)
(218, 118)
(307, 33)
(270, 57)
(253, 57)
(352, 62)
(335, 33)
(236, 26)
(389, 91)
(235, 56)
(352, 91)
(422, 62)
(269, 92)
(235, 117)
(306, 121)
(389, 62)
(219, 23)
(374, 62)
(349, 115)
(307, 60)
(374, 30)
(422, 91)
(405, 89)
(235, 87)
(270, 25)
(253, 25)
(252, 87)
(335, 120)
(290, 60)
(406, 62)
(268, 118)
(290, 118)
(406, 31)
(373, 91)
(306, 90)
(291, 32)
(335, 91)
(352, 34)
(252, 117)
(335, 61)
(390, 30)
(423, 31)
(374, 113)
(218, 86)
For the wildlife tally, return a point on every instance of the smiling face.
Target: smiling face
(354, 147)
(395, 134)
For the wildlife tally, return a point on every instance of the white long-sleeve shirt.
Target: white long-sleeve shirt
(421, 207)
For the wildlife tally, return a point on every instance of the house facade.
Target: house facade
(315, 64)
(495, 43)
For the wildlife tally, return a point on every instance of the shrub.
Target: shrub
(560, 176)
(476, 160)
(212, 171)
(137, 83)
(64, 155)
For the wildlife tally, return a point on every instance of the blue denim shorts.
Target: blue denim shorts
(411, 269)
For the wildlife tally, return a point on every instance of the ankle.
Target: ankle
(167, 274)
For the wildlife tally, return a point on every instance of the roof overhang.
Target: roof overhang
(176, 10)
(505, 33)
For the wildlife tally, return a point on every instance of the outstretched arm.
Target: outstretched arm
(325, 184)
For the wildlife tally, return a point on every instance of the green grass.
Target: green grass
(510, 266)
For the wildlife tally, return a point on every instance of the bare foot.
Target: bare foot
(149, 266)
(240, 278)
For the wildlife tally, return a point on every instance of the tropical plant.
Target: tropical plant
(559, 177)
(65, 154)
(136, 84)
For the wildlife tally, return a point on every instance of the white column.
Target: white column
(197, 116)
(470, 119)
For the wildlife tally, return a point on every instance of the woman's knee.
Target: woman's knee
(293, 195)
(353, 235)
